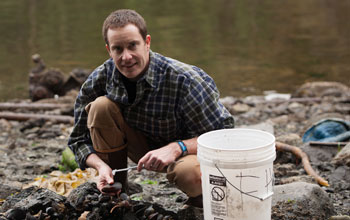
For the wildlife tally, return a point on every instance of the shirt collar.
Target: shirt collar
(150, 75)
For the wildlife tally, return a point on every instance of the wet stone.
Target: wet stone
(31, 136)
(48, 135)
(112, 188)
(16, 214)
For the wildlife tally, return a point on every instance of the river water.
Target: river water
(247, 46)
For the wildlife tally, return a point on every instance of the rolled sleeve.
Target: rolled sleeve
(79, 141)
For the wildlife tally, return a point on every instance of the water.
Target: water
(247, 46)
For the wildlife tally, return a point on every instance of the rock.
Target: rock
(113, 188)
(285, 170)
(283, 119)
(273, 96)
(7, 190)
(48, 135)
(77, 196)
(295, 107)
(31, 136)
(228, 101)
(319, 153)
(280, 109)
(34, 199)
(239, 108)
(322, 89)
(291, 139)
(134, 188)
(340, 217)
(5, 125)
(301, 201)
(340, 173)
(191, 212)
(16, 214)
(265, 126)
(343, 157)
(301, 178)
(253, 100)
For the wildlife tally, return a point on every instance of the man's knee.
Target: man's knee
(101, 106)
(185, 173)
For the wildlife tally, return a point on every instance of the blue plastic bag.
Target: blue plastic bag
(328, 130)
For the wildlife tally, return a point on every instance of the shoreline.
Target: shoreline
(33, 148)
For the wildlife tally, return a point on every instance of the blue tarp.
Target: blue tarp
(328, 130)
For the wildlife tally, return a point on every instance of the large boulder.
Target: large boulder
(301, 200)
(322, 89)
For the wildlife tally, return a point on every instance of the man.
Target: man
(146, 106)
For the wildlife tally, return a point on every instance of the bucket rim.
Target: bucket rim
(273, 140)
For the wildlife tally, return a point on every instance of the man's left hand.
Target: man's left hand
(159, 159)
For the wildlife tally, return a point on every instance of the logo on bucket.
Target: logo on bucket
(218, 195)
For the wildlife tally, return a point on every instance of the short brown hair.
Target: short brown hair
(121, 18)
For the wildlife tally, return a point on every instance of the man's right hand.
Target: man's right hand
(105, 176)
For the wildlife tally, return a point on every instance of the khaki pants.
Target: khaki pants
(114, 141)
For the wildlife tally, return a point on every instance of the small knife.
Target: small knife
(123, 169)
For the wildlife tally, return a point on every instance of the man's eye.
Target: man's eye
(118, 49)
(132, 45)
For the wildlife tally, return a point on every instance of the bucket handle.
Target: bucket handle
(245, 193)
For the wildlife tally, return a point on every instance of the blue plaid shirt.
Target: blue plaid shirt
(173, 101)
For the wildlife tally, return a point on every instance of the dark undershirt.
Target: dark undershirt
(130, 88)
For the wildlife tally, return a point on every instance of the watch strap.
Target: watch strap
(183, 148)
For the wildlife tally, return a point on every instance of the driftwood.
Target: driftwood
(26, 116)
(328, 144)
(304, 159)
(306, 100)
(32, 106)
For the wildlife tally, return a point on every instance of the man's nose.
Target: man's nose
(126, 55)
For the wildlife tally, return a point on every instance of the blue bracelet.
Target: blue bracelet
(183, 148)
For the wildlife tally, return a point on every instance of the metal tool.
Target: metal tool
(123, 169)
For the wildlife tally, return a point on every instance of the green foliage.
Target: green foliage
(339, 147)
(149, 182)
(68, 162)
(290, 201)
(136, 198)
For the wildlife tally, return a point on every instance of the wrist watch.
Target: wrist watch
(183, 148)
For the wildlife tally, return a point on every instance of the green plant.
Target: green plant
(290, 201)
(136, 198)
(149, 182)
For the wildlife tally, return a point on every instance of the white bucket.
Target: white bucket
(237, 173)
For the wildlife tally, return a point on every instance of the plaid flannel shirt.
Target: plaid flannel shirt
(173, 101)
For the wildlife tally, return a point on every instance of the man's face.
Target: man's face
(129, 51)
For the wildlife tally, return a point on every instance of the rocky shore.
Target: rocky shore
(32, 149)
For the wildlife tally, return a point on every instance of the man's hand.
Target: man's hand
(157, 160)
(105, 176)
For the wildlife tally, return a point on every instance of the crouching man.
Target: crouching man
(145, 106)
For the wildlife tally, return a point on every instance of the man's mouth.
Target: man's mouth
(128, 66)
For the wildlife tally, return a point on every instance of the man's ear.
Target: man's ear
(148, 41)
(109, 52)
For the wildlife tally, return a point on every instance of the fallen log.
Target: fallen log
(328, 144)
(26, 116)
(305, 100)
(31, 106)
(304, 159)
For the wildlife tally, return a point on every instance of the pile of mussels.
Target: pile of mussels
(86, 200)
